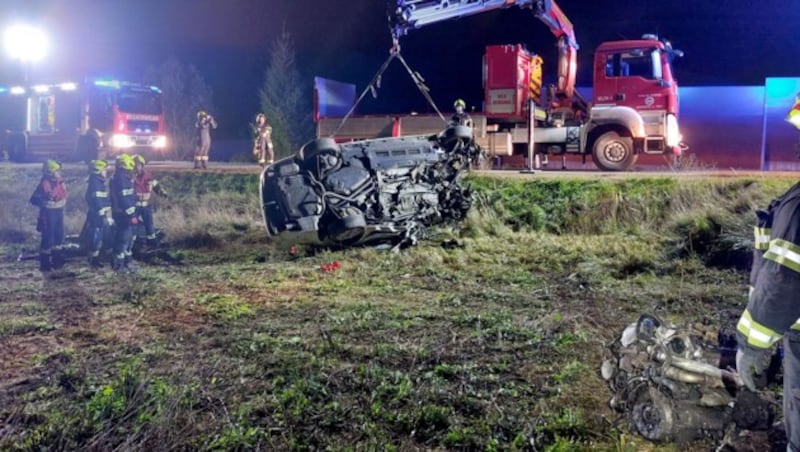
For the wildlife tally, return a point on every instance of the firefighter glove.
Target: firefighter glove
(750, 363)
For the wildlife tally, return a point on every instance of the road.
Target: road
(225, 167)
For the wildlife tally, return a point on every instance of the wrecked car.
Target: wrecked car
(383, 191)
(675, 383)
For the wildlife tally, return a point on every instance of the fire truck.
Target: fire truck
(69, 121)
(634, 109)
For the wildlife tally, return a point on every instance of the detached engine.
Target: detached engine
(371, 192)
(672, 383)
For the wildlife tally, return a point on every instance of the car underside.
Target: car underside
(384, 191)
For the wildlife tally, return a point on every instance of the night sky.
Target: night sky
(726, 42)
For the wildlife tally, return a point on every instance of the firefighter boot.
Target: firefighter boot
(204, 163)
(94, 262)
(129, 266)
(118, 263)
(44, 262)
(196, 163)
(58, 260)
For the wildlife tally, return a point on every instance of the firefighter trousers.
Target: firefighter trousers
(791, 389)
(51, 225)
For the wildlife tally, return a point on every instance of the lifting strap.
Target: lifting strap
(375, 84)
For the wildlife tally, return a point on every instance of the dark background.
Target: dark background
(726, 42)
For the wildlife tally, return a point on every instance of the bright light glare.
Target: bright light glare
(25, 43)
(673, 132)
(17, 90)
(68, 86)
(41, 89)
(160, 142)
(122, 141)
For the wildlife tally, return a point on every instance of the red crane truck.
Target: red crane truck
(71, 122)
(635, 97)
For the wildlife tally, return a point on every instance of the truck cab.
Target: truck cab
(637, 74)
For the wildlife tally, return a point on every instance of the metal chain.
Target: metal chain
(376, 81)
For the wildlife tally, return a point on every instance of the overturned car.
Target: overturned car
(384, 191)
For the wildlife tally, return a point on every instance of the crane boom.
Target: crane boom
(412, 14)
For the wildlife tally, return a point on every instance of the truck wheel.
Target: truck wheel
(612, 152)
(16, 148)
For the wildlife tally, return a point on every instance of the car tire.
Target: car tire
(613, 152)
(347, 230)
(313, 149)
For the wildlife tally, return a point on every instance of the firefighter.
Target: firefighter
(50, 197)
(123, 210)
(461, 117)
(145, 185)
(262, 145)
(793, 118)
(98, 217)
(773, 312)
(205, 122)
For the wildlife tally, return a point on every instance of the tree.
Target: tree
(283, 98)
(184, 93)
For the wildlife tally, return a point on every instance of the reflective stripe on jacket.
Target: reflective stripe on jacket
(774, 308)
(97, 194)
(123, 197)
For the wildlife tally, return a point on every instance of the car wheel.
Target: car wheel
(313, 149)
(347, 230)
(612, 152)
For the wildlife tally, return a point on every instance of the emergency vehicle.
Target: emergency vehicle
(71, 121)
(634, 109)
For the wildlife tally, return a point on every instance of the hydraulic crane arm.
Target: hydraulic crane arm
(412, 14)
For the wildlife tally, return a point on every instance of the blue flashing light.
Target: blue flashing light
(3, 89)
(107, 83)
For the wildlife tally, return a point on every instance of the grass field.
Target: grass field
(228, 342)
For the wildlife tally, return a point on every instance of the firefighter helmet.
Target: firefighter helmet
(261, 116)
(99, 165)
(459, 103)
(139, 159)
(201, 113)
(50, 166)
(125, 162)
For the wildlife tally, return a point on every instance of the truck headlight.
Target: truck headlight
(160, 142)
(673, 137)
(121, 141)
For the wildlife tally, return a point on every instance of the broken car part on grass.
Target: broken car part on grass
(673, 384)
(383, 191)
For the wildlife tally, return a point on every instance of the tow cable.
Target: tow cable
(375, 84)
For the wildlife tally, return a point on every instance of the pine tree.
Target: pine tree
(284, 99)
(184, 93)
